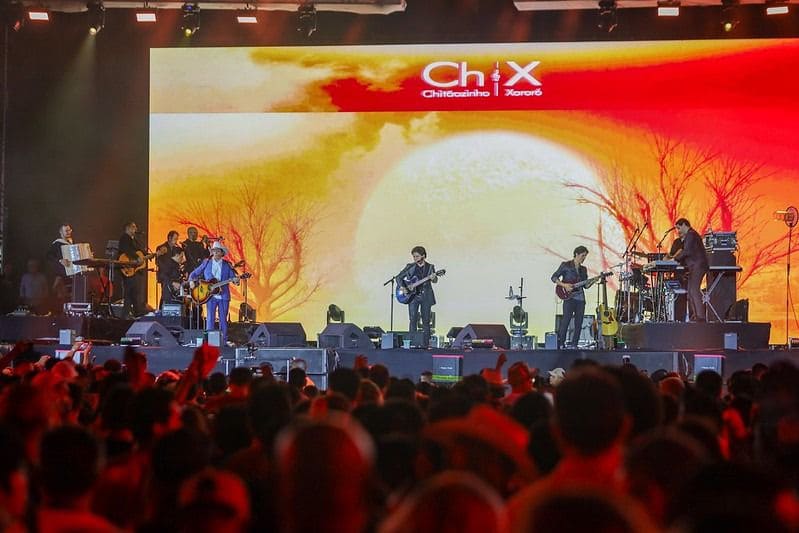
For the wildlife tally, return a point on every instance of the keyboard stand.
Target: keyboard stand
(706, 296)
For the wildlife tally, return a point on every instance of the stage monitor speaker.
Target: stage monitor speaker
(279, 335)
(347, 336)
(723, 296)
(739, 311)
(498, 333)
(152, 333)
(246, 313)
(711, 362)
(586, 332)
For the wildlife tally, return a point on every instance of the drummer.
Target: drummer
(56, 265)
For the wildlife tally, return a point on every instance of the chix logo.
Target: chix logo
(466, 82)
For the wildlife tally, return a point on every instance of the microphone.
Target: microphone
(212, 238)
(670, 230)
(140, 233)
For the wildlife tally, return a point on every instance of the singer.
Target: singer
(693, 256)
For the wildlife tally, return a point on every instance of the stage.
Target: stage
(649, 346)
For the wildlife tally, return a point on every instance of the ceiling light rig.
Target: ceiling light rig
(607, 20)
(306, 18)
(96, 14)
(776, 7)
(668, 8)
(248, 15)
(729, 15)
(146, 14)
(191, 19)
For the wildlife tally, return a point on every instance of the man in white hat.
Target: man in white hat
(216, 268)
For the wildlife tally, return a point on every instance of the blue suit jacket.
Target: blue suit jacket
(205, 271)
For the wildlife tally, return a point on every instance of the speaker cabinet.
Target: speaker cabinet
(152, 333)
(279, 335)
(496, 332)
(346, 336)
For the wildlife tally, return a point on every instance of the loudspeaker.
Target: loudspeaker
(347, 336)
(586, 333)
(723, 296)
(279, 335)
(496, 332)
(739, 311)
(447, 368)
(151, 332)
(708, 362)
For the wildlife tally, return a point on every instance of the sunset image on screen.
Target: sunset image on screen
(323, 166)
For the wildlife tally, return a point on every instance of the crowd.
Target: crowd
(112, 447)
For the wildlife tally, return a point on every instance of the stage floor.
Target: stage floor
(411, 363)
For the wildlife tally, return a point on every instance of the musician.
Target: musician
(170, 274)
(133, 286)
(693, 256)
(567, 274)
(216, 268)
(170, 244)
(57, 265)
(426, 298)
(196, 250)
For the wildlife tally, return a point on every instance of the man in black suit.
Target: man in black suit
(693, 256)
(426, 298)
(134, 303)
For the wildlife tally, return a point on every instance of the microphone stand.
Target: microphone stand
(628, 270)
(639, 311)
(391, 281)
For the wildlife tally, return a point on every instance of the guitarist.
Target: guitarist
(426, 298)
(567, 274)
(216, 268)
(134, 286)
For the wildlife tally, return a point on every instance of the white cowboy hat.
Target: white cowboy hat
(218, 246)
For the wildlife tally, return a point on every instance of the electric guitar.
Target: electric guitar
(203, 290)
(408, 288)
(565, 294)
(606, 316)
(139, 262)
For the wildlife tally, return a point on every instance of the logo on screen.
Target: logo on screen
(453, 79)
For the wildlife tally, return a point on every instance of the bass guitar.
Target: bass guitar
(565, 294)
(408, 288)
(139, 262)
(203, 290)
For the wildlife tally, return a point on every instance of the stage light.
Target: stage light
(146, 15)
(306, 18)
(39, 15)
(789, 215)
(96, 12)
(776, 7)
(607, 20)
(518, 321)
(668, 8)
(247, 16)
(13, 15)
(191, 19)
(335, 314)
(729, 15)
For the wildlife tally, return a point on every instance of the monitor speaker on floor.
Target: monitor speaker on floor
(497, 333)
(151, 333)
(346, 336)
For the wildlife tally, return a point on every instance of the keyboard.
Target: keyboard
(662, 265)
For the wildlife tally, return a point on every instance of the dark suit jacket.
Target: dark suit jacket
(426, 294)
(693, 253)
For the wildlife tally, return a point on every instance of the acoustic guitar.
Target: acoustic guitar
(408, 288)
(204, 289)
(139, 262)
(606, 318)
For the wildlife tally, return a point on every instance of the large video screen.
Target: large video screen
(323, 166)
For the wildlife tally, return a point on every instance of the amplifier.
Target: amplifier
(721, 240)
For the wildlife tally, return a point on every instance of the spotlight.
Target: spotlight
(335, 314)
(39, 15)
(518, 320)
(306, 18)
(247, 16)
(776, 7)
(607, 21)
(146, 15)
(13, 15)
(789, 215)
(668, 8)
(729, 15)
(191, 19)
(96, 17)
